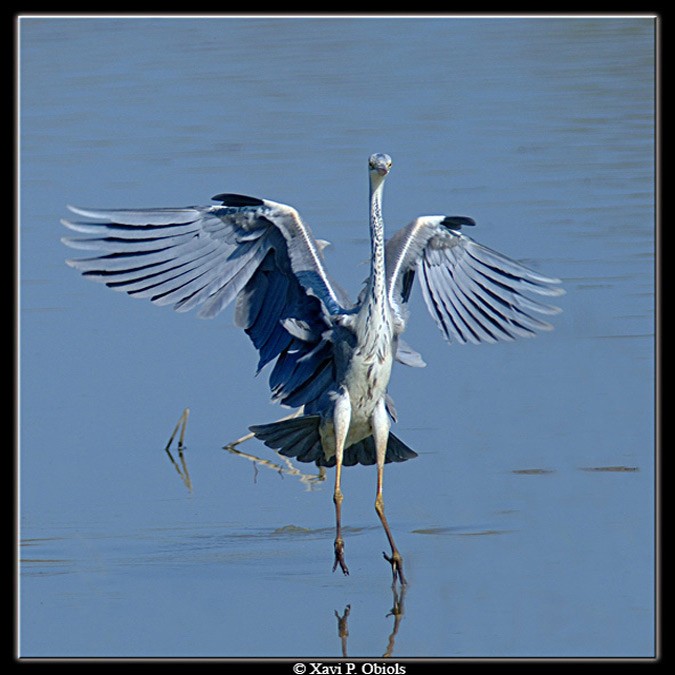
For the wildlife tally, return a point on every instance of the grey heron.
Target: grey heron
(332, 357)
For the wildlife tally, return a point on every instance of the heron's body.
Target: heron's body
(364, 365)
(332, 358)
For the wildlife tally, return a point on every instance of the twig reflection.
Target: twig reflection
(309, 479)
(182, 469)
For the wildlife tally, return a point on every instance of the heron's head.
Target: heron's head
(378, 166)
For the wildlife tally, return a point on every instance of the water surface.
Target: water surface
(526, 523)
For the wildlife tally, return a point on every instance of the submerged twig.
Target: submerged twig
(249, 436)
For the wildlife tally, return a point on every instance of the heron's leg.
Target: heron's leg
(341, 419)
(380, 423)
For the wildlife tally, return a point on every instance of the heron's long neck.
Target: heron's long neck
(377, 286)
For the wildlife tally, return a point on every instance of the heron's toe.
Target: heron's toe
(339, 556)
(396, 562)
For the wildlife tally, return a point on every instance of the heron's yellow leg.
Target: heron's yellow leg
(380, 424)
(341, 420)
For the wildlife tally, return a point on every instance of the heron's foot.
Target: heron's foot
(396, 562)
(340, 557)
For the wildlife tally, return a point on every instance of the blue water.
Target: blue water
(527, 522)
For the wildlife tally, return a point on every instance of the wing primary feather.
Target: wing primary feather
(446, 322)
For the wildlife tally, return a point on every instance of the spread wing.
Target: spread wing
(475, 294)
(256, 251)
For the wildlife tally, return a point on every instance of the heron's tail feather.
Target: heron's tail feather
(299, 437)
(296, 437)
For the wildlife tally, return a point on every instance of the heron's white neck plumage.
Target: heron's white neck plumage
(376, 290)
(370, 364)
(374, 325)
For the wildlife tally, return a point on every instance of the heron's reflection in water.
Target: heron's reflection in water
(396, 611)
(343, 630)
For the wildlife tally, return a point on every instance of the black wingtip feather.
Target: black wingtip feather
(229, 199)
(457, 222)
